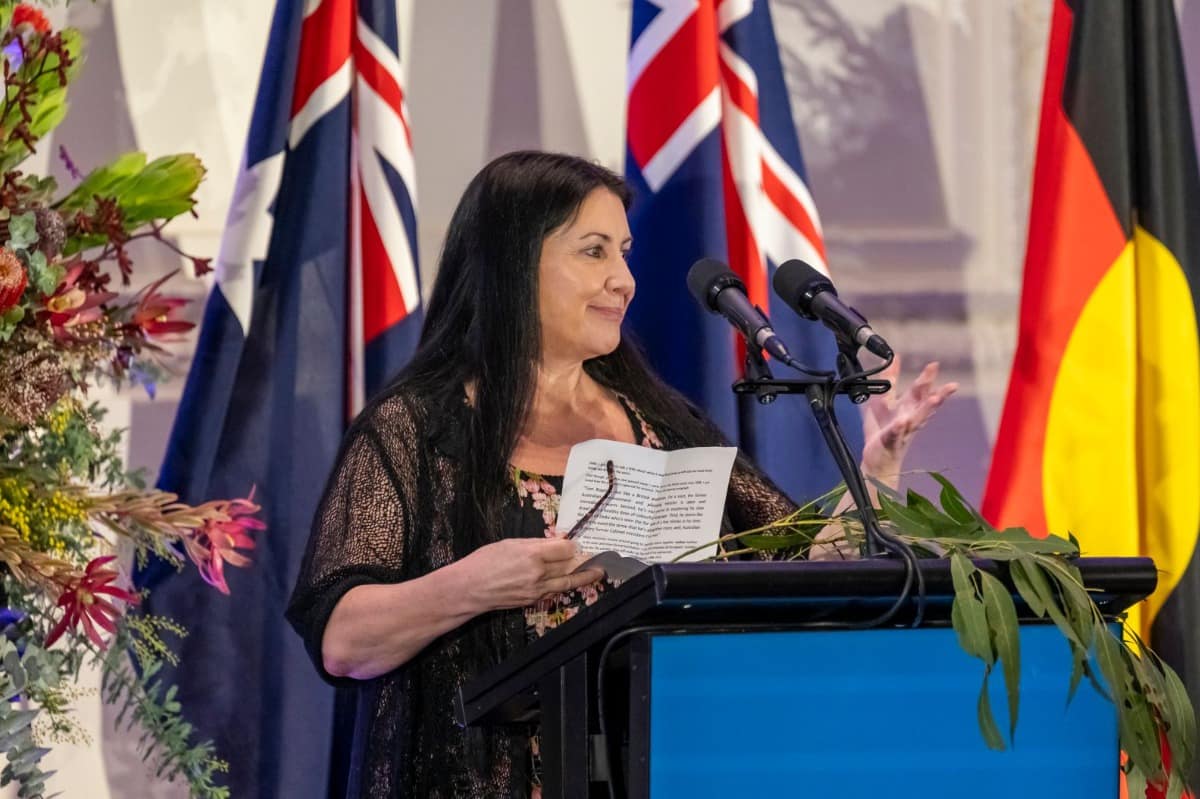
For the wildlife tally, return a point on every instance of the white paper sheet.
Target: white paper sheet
(663, 504)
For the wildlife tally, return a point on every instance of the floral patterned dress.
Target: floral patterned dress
(535, 513)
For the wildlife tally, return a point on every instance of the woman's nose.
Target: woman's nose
(621, 281)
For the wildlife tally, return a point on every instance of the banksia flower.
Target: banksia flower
(13, 279)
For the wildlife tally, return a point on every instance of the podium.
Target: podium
(750, 679)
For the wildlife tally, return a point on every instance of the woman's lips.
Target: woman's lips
(615, 314)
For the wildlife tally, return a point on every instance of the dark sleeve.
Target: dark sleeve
(357, 537)
(753, 499)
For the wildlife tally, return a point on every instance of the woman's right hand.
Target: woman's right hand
(517, 572)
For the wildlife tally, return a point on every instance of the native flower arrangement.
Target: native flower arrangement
(68, 321)
(1155, 718)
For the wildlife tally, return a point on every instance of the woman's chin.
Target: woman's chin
(601, 346)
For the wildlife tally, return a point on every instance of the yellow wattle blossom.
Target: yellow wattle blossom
(39, 517)
(60, 416)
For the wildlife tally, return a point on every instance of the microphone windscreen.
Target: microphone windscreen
(706, 274)
(796, 283)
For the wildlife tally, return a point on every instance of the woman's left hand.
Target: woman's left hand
(891, 420)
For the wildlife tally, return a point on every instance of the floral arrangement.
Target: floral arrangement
(1155, 718)
(70, 320)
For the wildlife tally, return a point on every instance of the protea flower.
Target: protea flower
(84, 602)
(13, 279)
(70, 305)
(157, 315)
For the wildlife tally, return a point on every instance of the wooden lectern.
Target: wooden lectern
(750, 680)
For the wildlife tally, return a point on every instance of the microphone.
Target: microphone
(722, 292)
(812, 295)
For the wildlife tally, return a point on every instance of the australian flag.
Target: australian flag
(316, 304)
(715, 165)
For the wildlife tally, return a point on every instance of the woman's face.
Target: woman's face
(584, 283)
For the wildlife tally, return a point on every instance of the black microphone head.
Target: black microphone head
(796, 283)
(707, 278)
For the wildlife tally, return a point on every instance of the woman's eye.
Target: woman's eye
(625, 254)
(595, 252)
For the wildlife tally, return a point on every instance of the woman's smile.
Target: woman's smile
(614, 313)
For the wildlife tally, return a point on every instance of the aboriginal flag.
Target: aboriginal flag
(1100, 434)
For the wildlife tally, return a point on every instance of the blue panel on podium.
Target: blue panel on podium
(860, 715)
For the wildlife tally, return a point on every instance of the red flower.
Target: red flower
(1161, 789)
(210, 547)
(25, 14)
(83, 601)
(13, 279)
(155, 314)
(70, 305)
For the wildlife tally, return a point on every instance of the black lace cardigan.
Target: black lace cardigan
(386, 517)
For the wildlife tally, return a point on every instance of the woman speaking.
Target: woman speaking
(434, 551)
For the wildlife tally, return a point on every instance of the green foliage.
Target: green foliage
(73, 446)
(9, 321)
(36, 97)
(44, 276)
(22, 234)
(63, 484)
(987, 566)
(1040, 570)
(26, 673)
(144, 193)
(144, 701)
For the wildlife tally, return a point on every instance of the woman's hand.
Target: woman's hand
(891, 421)
(889, 424)
(517, 572)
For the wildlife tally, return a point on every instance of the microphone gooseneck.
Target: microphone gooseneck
(811, 294)
(722, 292)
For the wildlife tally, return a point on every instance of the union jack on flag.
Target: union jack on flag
(714, 159)
(316, 305)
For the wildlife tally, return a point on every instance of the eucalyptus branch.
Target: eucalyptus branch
(705, 546)
(144, 700)
(1151, 702)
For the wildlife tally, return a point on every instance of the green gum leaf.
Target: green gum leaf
(1182, 734)
(1002, 622)
(772, 543)
(907, 521)
(987, 720)
(973, 627)
(1017, 571)
(955, 506)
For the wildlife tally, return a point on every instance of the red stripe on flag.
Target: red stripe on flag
(324, 47)
(1074, 238)
(383, 304)
(738, 93)
(675, 82)
(382, 82)
(744, 257)
(790, 206)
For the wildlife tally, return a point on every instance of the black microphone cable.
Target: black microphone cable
(887, 540)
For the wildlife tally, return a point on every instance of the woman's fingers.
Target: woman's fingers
(569, 582)
(580, 559)
(556, 550)
(919, 390)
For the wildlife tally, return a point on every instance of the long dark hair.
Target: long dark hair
(482, 327)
